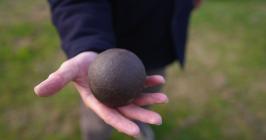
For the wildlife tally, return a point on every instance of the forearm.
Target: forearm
(83, 25)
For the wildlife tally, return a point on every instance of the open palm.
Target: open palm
(76, 69)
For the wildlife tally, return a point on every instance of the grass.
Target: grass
(220, 95)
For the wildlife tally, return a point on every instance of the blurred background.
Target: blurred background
(220, 95)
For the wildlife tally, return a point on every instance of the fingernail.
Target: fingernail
(166, 99)
(162, 79)
(36, 91)
(136, 133)
(156, 120)
(159, 123)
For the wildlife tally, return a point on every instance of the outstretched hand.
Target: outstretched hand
(75, 70)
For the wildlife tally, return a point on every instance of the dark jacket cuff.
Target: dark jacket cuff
(85, 44)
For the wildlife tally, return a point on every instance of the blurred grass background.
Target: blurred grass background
(221, 94)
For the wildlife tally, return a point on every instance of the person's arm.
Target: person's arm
(85, 28)
(83, 25)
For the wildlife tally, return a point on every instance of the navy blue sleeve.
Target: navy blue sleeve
(83, 25)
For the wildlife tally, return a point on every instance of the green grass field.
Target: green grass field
(221, 95)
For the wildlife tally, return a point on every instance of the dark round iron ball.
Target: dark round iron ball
(116, 77)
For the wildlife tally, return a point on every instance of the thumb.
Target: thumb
(57, 80)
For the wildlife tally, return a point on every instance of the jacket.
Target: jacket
(156, 30)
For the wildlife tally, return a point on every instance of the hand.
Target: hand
(75, 70)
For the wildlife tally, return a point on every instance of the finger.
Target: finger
(154, 80)
(137, 113)
(151, 98)
(109, 115)
(57, 80)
